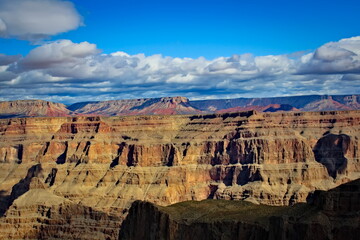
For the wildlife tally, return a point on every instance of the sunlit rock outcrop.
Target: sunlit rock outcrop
(106, 163)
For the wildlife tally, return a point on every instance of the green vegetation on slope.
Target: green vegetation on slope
(225, 210)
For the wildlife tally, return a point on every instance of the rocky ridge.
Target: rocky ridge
(103, 164)
(145, 106)
(330, 215)
(177, 105)
(267, 108)
(302, 103)
(32, 108)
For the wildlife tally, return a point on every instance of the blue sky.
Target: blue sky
(217, 27)
(211, 28)
(209, 33)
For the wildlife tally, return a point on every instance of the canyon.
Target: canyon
(76, 177)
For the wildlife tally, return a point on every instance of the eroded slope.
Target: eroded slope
(329, 215)
(104, 164)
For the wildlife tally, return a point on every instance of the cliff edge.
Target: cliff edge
(330, 215)
(101, 165)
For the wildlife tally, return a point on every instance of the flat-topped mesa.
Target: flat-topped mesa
(175, 100)
(146, 106)
(32, 108)
(105, 163)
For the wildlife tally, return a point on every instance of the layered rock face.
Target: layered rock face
(36, 213)
(267, 108)
(99, 164)
(32, 108)
(330, 215)
(144, 106)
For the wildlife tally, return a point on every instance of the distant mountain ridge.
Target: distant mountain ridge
(303, 103)
(144, 106)
(177, 105)
(32, 108)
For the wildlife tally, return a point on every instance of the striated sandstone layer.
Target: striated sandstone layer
(103, 164)
(330, 215)
(39, 214)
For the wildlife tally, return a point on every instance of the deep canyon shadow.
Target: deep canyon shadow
(330, 151)
(19, 189)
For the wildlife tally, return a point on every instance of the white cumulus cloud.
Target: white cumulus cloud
(70, 71)
(37, 19)
(58, 54)
(333, 58)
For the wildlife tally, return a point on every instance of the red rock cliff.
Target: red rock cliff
(107, 163)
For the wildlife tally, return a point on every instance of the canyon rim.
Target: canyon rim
(76, 177)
